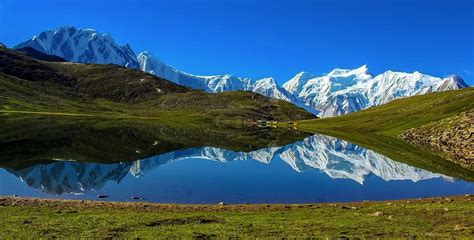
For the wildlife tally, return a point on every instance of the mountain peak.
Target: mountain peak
(66, 28)
(457, 80)
(268, 80)
(346, 72)
(304, 75)
(82, 45)
(294, 85)
(147, 57)
(362, 69)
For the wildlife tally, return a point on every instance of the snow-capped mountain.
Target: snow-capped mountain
(82, 45)
(339, 92)
(348, 90)
(336, 158)
(217, 83)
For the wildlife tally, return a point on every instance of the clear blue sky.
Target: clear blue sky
(270, 38)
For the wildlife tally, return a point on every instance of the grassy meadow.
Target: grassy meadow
(424, 218)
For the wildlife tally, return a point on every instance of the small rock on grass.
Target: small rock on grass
(27, 222)
(377, 214)
(459, 227)
(346, 207)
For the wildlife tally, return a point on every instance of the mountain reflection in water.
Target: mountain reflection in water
(80, 158)
(336, 158)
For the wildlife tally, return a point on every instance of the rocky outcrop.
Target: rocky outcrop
(452, 137)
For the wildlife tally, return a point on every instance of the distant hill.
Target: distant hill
(31, 52)
(30, 85)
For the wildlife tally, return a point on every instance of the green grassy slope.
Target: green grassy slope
(378, 128)
(27, 84)
(397, 116)
(428, 218)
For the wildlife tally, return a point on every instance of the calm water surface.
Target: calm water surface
(315, 168)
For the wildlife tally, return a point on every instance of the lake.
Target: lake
(82, 159)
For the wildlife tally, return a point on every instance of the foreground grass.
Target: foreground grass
(378, 128)
(434, 217)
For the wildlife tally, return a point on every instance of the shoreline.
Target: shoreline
(55, 202)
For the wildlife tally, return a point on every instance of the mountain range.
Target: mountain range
(339, 92)
(336, 158)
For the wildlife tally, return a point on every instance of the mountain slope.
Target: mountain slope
(28, 84)
(82, 45)
(31, 52)
(349, 90)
